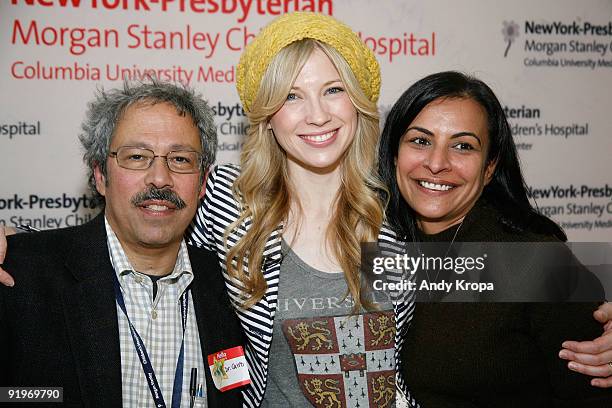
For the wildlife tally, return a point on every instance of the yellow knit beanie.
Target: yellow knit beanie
(297, 26)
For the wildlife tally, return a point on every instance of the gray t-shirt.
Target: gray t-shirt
(305, 292)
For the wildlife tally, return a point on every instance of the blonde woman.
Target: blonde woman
(287, 224)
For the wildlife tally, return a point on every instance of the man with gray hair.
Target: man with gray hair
(120, 311)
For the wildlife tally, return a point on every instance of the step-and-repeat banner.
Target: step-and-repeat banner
(550, 63)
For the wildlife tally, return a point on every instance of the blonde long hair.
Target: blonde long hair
(264, 192)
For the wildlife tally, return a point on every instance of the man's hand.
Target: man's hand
(5, 278)
(593, 358)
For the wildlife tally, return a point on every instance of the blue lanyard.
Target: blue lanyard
(143, 355)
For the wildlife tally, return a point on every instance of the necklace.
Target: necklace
(429, 281)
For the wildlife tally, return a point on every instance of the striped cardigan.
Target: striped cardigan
(218, 210)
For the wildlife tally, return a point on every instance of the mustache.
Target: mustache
(163, 194)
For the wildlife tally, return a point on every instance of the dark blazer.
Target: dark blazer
(58, 325)
(502, 354)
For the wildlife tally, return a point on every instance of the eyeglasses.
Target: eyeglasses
(138, 158)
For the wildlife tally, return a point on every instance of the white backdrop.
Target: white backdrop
(550, 63)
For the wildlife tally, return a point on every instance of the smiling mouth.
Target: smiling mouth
(435, 186)
(156, 207)
(319, 138)
(158, 201)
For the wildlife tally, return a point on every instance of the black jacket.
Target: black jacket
(58, 325)
(504, 354)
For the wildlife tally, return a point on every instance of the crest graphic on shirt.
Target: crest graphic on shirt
(345, 361)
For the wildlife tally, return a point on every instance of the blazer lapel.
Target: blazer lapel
(217, 325)
(204, 310)
(91, 317)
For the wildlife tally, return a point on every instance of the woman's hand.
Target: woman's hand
(593, 358)
(5, 278)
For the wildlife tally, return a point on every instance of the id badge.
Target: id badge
(229, 368)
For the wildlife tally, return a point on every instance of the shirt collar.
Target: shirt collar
(122, 266)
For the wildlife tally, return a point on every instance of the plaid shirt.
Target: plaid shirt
(158, 322)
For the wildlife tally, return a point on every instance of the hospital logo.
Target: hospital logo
(510, 32)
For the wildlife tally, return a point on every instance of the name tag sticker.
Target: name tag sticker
(229, 368)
